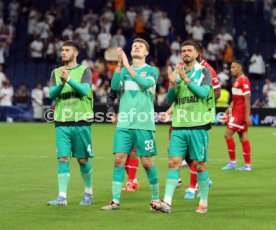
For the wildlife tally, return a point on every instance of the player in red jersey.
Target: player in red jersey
(237, 117)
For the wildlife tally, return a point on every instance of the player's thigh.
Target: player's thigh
(63, 141)
(144, 142)
(123, 141)
(178, 143)
(198, 145)
(82, 146)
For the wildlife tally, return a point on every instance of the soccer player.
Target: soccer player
(132, 162)
(237, 117)
(191, 90)
(135, 125)
(71, 89)
(190, 192)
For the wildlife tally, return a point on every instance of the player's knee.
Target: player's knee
(64, 159)
(82, 160)
(120, 160)
(174, 163)
(200, 166)
(147, 165)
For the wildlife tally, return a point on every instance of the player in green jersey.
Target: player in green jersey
(71, 89)
(192, 94)
(135, 125)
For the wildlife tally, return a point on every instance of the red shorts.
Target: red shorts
(237, 125)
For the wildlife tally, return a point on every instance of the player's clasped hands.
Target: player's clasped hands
(63, 74)
(122, 58)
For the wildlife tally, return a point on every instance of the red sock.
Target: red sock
(131, 168)
(193, 176)
(246, 152)
(231, 148)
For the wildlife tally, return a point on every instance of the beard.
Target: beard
(65, 61)
(188, 60)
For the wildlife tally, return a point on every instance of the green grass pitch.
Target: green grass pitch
(28, 179)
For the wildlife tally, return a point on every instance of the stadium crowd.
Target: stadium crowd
(117, 24)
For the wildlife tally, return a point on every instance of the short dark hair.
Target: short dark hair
(238, 62)
(190, 43)
(72, 44)
(141, 40)
(199, 47)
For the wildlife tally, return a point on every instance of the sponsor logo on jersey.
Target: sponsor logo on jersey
(143, 74)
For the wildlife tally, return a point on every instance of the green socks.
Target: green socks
(63, 178)
(117, 183)
(203, 184)
(153, 181)
(86, 173)
(171, 182)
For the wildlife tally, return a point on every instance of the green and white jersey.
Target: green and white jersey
(191, 110)
(136, 110)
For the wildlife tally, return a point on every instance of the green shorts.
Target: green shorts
(74, 141)
(143, 140)
(193, 141)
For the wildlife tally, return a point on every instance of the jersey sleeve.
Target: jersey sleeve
(53, 79)
(87, 76)
(245, 86)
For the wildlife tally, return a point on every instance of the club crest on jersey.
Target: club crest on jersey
(143, 74)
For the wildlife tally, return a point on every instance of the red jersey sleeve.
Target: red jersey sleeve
(245, 86)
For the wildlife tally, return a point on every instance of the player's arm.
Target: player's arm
(247, 109)
(227, 111)
(170, 97)
(202, 90)
(117, 78)
(148, 81)
(170, 110)
(85, 84)
(54, 89)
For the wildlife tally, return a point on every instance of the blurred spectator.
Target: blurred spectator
(36, 49)
(256, 71)
(90, 17)
(272, 59)
(269, 92)
(242, 46)
(87, 62)
(267, 9)
(118, 40)
(224, 36)
(22, 96)
(46, 94)
(273, 18)
(131, 15)
(223, 100)
(197, 31)
(2, 76)
(37, 102)
(68, 32)
(164, 25)
(228, 53)
(50, 50)
(6, 93)
(104, 41)
(14, 10)
(78, 9)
